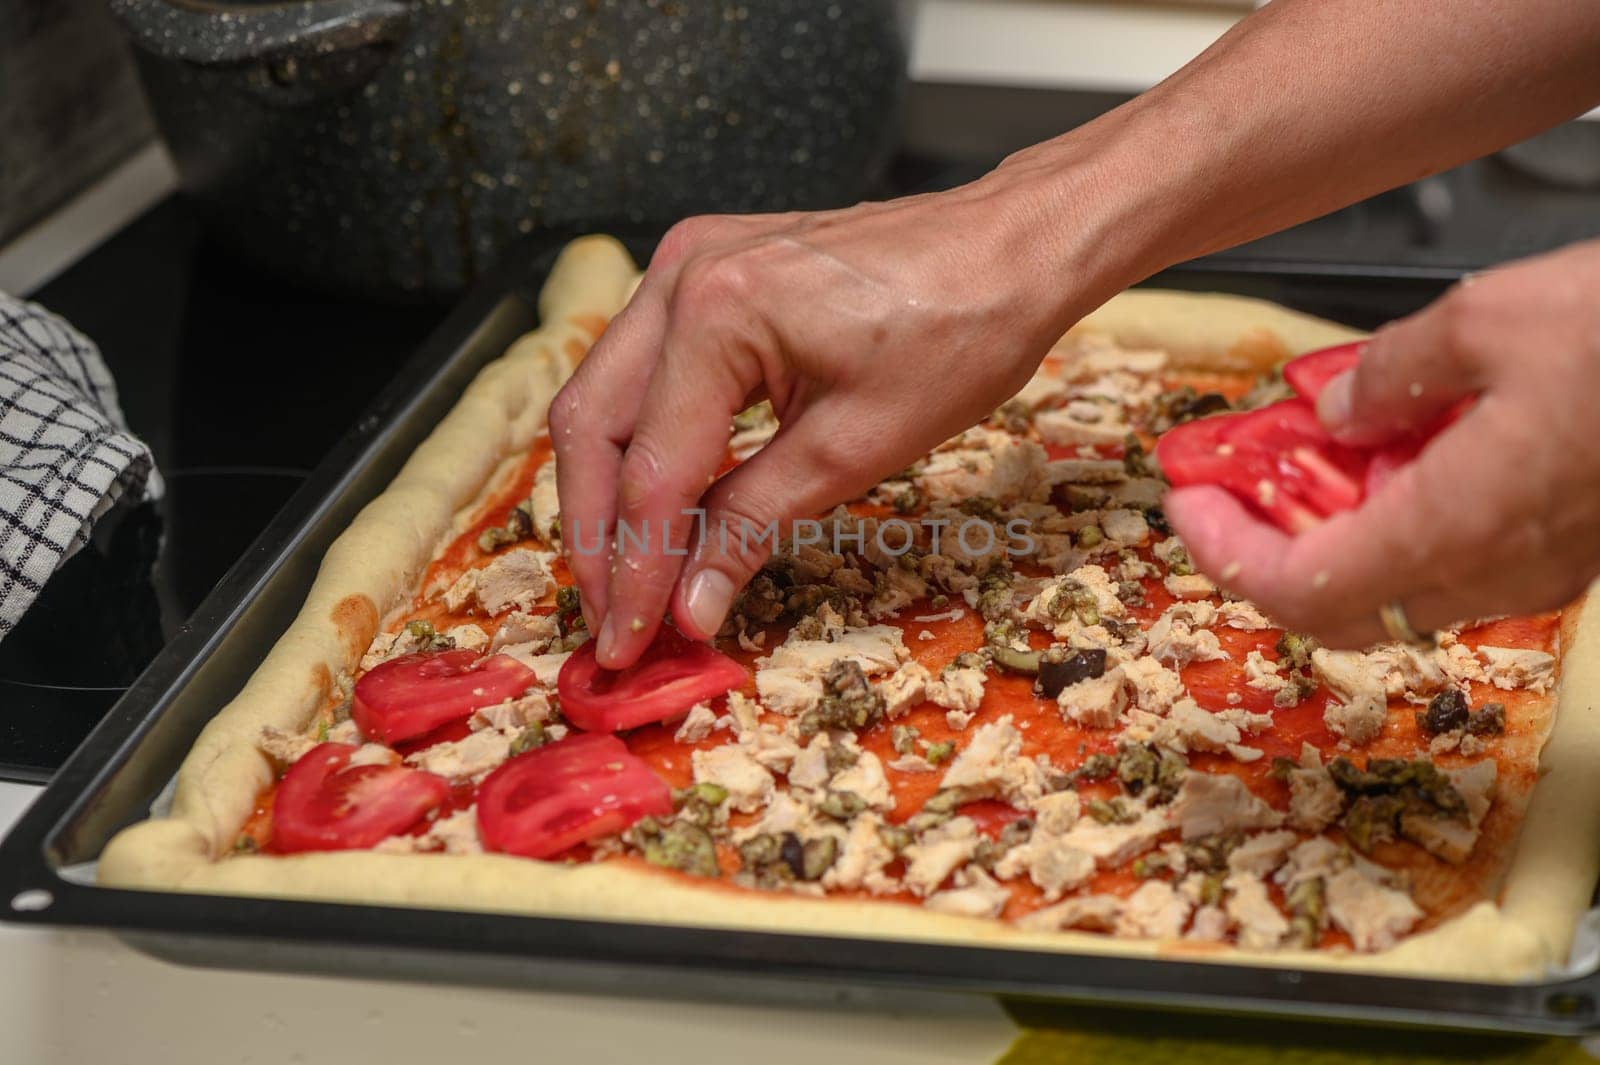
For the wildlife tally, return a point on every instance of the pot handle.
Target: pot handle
(211, 33)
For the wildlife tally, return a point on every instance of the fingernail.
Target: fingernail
(605, 645)
(710, 594)
(1333, 404)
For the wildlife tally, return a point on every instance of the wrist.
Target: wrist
(1101, 207)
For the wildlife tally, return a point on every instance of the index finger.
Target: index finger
(591, 422)
(678, 444)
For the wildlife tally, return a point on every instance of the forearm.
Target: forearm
(1304, 107)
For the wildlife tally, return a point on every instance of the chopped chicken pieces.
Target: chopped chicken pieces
(1514, 668)
(1209, 804)
(747, 781)
(1154, 911)
(1372, 915)
(1250, 909)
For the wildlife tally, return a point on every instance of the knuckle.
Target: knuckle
(710, 283)
(564, 414)
(683, 238)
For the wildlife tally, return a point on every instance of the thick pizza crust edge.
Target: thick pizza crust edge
(378, 560)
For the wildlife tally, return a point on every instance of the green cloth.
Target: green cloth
(1087, 1035)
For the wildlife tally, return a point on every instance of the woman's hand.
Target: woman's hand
(1500, 513)
(877, 332)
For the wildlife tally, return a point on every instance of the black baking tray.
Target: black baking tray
(112, 780)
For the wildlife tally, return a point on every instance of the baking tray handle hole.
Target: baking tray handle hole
(1569, 1004)
(32, 901)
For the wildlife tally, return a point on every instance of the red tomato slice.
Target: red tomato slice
(325, 804)
(577, 789)
(1278, 460)
(674, 674)
(408, 696)
(1309, 373)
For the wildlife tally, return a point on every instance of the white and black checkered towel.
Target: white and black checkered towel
(66, 456)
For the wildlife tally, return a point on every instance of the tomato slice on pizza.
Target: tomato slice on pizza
(415, 694)
(326, 804)
(549, 800)
(674, 674)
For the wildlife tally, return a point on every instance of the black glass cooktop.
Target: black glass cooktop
(240, 383)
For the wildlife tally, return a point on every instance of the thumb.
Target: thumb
(1409, 376)
(806, 468)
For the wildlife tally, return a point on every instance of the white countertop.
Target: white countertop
(84, 998)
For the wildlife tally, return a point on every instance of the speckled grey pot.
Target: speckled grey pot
(398, 146)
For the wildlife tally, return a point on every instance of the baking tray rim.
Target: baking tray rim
(35, 853)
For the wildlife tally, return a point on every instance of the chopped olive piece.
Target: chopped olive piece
(1296, 691)
(1418, 785)
(1209, 854)
(1090, 537)
(1294, 650)
(995, 597)
(428, 638)
(1136, 768)
(1372, 819)
(980, 507)
(1002, 633)
(1013, 660)
(246, 845)
(1488, 720)
(1086, 664)
(1014, 416)
(1211, 890)
(907, 501)
(529, 738)
(792, 853)
(1156, 518)
(945, 801)
(923, 820)
(1096, 767)
(698, 803)
(839, 757)
(896, 837)
(1135, 461)
(1306, 906)
(841, 804)
(966, 660)
(1153, 864)
(569, 610)
(1446, 712)
(939, 752)
(817, 857)
(1283, 769)
(518, 527)
(679, 845)
(848, 701)
(1082, 497)
(1184, 404)
(903, 738)
(940, 601)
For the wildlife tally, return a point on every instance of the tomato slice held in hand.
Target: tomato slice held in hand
(1278, 460)
(674, 674)
(1309, 373)
(414, 694)
(577, 789)
(326, 804)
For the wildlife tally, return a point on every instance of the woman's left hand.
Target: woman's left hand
(1499, 514)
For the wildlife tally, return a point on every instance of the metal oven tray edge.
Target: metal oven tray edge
(124, 764)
